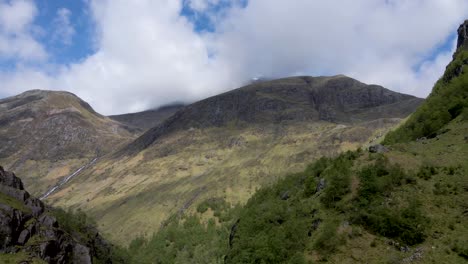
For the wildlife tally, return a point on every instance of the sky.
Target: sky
(130, 55)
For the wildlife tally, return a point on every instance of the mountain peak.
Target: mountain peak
(463, 36)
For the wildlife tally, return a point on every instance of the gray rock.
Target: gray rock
(321, 185)
(48, 221)
(285, 195)
(81, 254)
(36, 206)
(9, 179)
(463, 35)
(378, 149)
(18, 194)
(24, 237)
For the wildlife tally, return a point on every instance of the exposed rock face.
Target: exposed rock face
(24, 217)
(338, 99)
(463, 36)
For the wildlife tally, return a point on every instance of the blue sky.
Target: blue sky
(124, 56)
(81, 20)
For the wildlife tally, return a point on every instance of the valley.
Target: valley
(302, 169)
(227, 147)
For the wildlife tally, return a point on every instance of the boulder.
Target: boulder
(378, 149)
(81, 254)
(48, 221)
(23, 237)
(9, 179)
(36, 206)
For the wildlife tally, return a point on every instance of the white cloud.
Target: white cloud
(64, 30)
(16, 38)
(148, 55)
(202, 5)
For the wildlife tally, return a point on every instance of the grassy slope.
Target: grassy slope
(133, 197)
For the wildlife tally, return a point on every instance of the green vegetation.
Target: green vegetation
(405, 223)
(84, 229)
(5, 199)
(448, 100)
(19, 257)
(187, 239)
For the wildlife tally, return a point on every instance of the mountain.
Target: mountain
(402, 202)
(47, 135)
(337, 99)
(149, 118)
(227, 146)
(30, 231)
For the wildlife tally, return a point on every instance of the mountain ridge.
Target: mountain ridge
(289, 99)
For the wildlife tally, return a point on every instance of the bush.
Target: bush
(426, 172)
(328, 240)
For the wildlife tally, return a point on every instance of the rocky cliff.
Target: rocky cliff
(28, 226)
(462, 42)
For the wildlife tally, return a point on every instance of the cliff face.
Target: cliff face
(463, 36)
(27, 226)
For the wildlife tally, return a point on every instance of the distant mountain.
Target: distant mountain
(337, 99)
(229, 145)
(48, 134)
(147, 119)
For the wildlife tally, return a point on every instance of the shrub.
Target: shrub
(426, 172)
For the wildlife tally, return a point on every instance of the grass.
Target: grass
(5, 199)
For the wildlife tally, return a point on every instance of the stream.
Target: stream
(66, 179)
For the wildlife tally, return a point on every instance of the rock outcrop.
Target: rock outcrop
(26, 225)
(462, 42)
